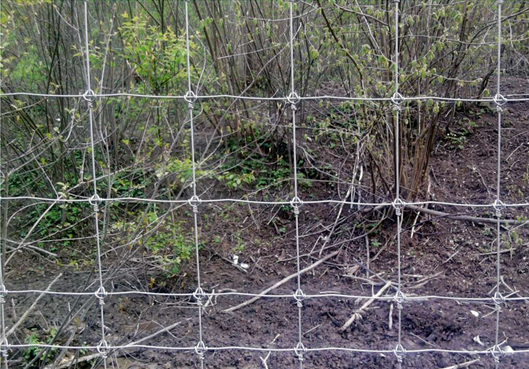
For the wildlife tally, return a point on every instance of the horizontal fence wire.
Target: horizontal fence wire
(508, 98)
(59, 200)
(248, 294)
(105, 348)
(268, 349)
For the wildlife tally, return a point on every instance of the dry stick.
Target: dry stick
(467, 218)
(60, 357)
(349, 191)
(75, 360)
(68, 319)
(164, 329)
(417, 217)
(356, 314)
(462, 365)
(82, 359)
(281, 282)
(390, 323)
(32, 307)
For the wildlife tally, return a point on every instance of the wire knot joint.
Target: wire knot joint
(4, 348)
(201, 349)
(399, 352)
(296, 204)
(89, 96)
(102, 348)
(300, 350)
(496, 352)
(500, 101)
(194, 201)
(498, 206)
(498, 299)
(293, 99)
(398, 205)
(190, 97)
(3, 294)
(400, 299)
(95, 201)
(101, 294)
(199, 296)
(397, 99)
(299, 296)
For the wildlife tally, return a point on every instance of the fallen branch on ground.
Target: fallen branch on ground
(462, 365)
(164, 329)
(76, 360)
(467, 218)
(281, 282)
(32, 307)
(357, 314)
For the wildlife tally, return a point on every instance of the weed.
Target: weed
(168, 242)
(457, 140)
(39, 338)
(239, 243)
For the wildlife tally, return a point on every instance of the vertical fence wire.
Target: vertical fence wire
(190, 97)
(4, 345)
(293, 100)
(95, 200)
(500, 101)
(397, 101)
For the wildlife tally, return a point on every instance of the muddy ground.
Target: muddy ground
(441, 256)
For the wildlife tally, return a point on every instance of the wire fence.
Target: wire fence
(195, 203)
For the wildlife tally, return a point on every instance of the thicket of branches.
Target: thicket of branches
(342, 48)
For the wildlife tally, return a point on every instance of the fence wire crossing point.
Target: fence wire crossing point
(104, 348)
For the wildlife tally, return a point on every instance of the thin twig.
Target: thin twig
(358, 312)
(462, 365)
(32, 307)
(281, 282)
(467, 218)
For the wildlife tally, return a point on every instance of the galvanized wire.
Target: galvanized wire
(271, 349)
(100, 294)
(499, 101)
(399, 211)
(200, 348)
(509, 98)
(307, 296)
(4, 344)
(299, 295)
(403, 203)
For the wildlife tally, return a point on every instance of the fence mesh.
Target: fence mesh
(197, 205)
